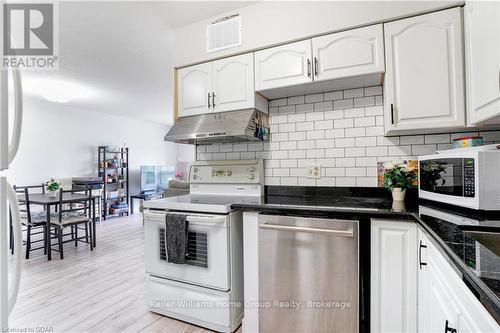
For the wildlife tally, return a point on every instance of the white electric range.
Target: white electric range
(208, 289)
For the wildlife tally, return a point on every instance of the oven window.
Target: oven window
(197, 254)
(443, 176)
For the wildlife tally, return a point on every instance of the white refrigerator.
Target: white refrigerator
(10, 274)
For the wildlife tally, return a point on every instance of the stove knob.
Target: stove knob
(195, 169)
(251, 176)
(252, 169)
(195, 176)
(229, 173)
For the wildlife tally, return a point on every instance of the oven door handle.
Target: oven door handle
(194, 219)
(208, 219)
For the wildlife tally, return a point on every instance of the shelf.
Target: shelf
(104, 157)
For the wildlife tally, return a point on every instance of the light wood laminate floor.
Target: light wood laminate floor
(98, 291)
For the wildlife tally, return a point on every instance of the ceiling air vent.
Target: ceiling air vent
(224, 33)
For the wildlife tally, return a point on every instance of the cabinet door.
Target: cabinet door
(393, 304)
(233, 83)
(435, 304)
(482, 25)
(283, 66)
(444, 297)
(349, 53)
(195, 87)
(424, 82)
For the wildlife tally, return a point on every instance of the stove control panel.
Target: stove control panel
(227, 172)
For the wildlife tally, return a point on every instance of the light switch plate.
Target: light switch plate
(313, 171)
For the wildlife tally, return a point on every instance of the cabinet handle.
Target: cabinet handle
(209, 100)
(420, 263)
(213, 99)
(392, 113)
(315, 66)
(448, 328)
(308, 67)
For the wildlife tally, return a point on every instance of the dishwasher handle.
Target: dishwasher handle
(332, 232)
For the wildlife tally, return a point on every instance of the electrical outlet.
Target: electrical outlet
(313, 171)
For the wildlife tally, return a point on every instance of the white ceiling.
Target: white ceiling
(120, 53)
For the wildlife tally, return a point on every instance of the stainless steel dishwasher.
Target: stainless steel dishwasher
(308, 274)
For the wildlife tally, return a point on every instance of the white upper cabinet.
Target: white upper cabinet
(424, 81)
(349, 53)
(218, 86)
(482, 52)
(282, 66)
(195, 88)
(233, 83)
(342, 60)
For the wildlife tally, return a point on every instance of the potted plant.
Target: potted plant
(398, 177)
(52, 187)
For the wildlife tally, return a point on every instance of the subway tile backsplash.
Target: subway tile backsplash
(343, 131)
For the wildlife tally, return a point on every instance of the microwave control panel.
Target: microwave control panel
(469, 181)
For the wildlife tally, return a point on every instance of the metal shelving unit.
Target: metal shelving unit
(120, 175)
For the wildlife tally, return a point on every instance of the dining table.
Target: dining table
(47, 201)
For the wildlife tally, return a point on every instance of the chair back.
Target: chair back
(24, 205)
(85, 203)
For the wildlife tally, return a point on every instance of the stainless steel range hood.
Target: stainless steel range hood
(233, 126)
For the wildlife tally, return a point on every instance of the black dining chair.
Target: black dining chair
(75, 216)
(34, 222)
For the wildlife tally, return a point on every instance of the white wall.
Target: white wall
(61, 142)
(274, 22)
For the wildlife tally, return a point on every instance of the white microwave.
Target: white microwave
(465, 177)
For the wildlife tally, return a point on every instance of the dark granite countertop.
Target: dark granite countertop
(475, 255)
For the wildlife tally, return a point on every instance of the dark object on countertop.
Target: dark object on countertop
(85, 183)
(176, 238)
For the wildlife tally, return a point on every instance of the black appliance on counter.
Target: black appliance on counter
(83, 183)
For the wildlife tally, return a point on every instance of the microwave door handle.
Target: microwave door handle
(18, 113)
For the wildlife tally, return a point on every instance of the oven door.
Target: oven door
(208, 250)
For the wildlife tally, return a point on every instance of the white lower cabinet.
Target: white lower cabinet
(393, 301)
(415, 289)
(445, 303)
